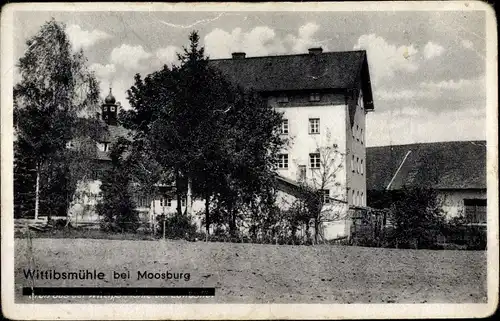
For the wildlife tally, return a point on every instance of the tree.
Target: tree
(324, 177)
(56, 89)
(217, 140)
(416, 217)
(117, 206)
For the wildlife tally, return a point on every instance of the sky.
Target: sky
(427, 67)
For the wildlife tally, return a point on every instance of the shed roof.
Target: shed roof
(443, 165)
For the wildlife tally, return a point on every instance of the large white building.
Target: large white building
(324, 97)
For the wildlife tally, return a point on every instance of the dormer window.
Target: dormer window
(282, 99)
(315, 97)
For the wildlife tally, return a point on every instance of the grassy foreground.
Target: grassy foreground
(257, 273)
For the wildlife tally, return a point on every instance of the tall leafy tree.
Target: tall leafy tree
(117, 207)
(56, 91)
(219, 141)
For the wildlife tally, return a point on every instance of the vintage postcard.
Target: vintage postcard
(249, 161)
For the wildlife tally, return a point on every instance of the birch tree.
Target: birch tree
(324, 177)
(56, 89)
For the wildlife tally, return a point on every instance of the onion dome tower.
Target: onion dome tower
(110, 109)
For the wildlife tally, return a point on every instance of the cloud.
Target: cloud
(466, 43)
(305, 38)
(260, 41)
(385, 58)
(391, 94)
(461, 84)
(82, 39)
(405, 126)
(129, 56)
(103, 71)
(432, 50)
(168, 55)
(463, 89)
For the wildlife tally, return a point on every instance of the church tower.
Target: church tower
(110, 110)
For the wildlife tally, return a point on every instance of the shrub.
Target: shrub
(417, 219)
(177, 226)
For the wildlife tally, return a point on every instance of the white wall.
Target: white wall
(301, 143)
(356, 146)
(453, 200)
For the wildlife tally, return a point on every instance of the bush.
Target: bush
(177, 226)
(417, 219)
(472, 237)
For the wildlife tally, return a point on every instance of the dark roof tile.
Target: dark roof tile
(329, 70)
(444, 165)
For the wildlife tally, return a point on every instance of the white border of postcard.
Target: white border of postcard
(244, 311)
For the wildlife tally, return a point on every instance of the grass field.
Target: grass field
(255, 273)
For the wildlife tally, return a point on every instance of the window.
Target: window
(302, 173)
(105, 108)
(315, 97)
(475, 210)
(183, 201)
(143, 202)
(112, 108)
(357, 133)
(326, 196)
(314, 160)
(352, 164)
(362, 201)
(165, 202)
(284, 126)
(283, 161)
(361, 136)
(353, 197)
(357, 199)
(357, 165)
(282, 99)
(103, 147)
(361, 167)
(313, 125)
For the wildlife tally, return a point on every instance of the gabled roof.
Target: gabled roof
(444, 165)
(321, 71)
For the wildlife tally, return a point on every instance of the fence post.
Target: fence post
(164, 227)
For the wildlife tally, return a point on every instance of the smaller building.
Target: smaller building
(457, 170)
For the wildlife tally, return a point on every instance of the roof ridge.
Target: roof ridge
(429, 143)
(292, 55)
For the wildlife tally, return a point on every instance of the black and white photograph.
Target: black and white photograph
(262, 161)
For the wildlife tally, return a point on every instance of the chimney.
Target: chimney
(315, 51)
(238, 55)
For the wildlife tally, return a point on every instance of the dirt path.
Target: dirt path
(254, 273)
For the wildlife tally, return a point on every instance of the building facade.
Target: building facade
(324, 98)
